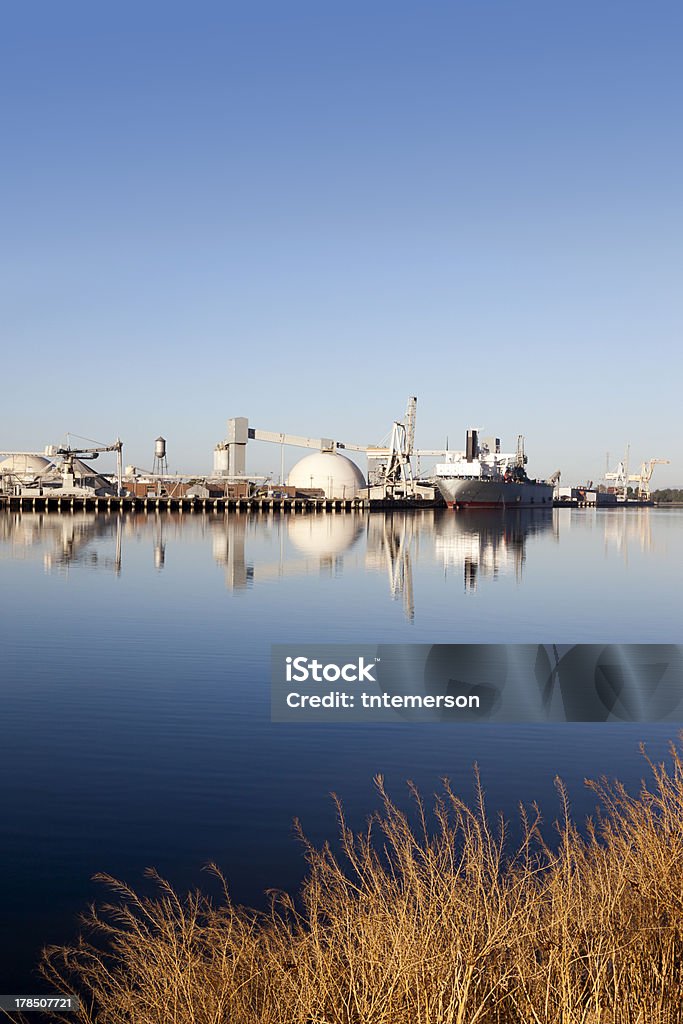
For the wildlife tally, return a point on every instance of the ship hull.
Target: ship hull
(459, 493)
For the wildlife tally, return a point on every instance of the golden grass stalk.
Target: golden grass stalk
(422, 919)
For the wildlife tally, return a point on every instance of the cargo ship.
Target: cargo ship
(484, 477)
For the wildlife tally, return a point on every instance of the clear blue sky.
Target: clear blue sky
(303, 212)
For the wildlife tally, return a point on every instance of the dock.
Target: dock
(164, 503)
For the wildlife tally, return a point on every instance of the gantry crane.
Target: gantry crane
(643, 478)
(390, 464)
(68, 454)
(622, 477)
(393, 469)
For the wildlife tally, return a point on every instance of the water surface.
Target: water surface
(135, 683)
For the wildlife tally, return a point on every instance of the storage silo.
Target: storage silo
(333, 474)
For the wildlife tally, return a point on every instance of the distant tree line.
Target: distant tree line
(667, 495)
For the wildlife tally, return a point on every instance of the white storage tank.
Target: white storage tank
(221, 460)
(25, 468)
(323, 536)
(334, 474)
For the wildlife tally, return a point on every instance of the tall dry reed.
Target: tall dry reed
(424, 919)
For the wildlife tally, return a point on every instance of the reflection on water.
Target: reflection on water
(136, 671)
(255, 549)
(63, 540)
(487, 544)
(393, 541)
(304, 544)
(624, 530)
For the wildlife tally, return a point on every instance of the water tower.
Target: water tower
(160, 462)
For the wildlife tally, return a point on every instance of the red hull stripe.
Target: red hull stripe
(499, 504)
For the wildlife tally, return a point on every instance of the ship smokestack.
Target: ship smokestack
(472, 448)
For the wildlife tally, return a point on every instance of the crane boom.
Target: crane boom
(325, 444)
(411, 412)
(321, 443)
(643, 478)
(68, 454)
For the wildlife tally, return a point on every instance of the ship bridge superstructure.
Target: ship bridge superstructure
(483, 460)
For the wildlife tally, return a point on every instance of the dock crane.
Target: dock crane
(643, 478)
(389, 465)
(622, 477)
(393, 468)
(555, 481)
(68, 454)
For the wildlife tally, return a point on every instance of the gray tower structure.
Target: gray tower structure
(238, 435)
(230, 456)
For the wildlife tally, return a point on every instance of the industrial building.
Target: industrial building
(333, 474)
(30, 473)
(326, 472)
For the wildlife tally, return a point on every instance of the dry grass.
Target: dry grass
(439, 923)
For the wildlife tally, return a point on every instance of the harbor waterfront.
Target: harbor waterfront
(338, 479)
(136, 682)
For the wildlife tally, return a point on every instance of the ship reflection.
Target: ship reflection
(487, 544)
(396, 544)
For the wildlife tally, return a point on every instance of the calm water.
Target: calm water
(135, 683)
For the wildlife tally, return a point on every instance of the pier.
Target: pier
(164, 503)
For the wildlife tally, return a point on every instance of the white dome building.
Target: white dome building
(334, 474)
(323, 536)
(25, 468)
